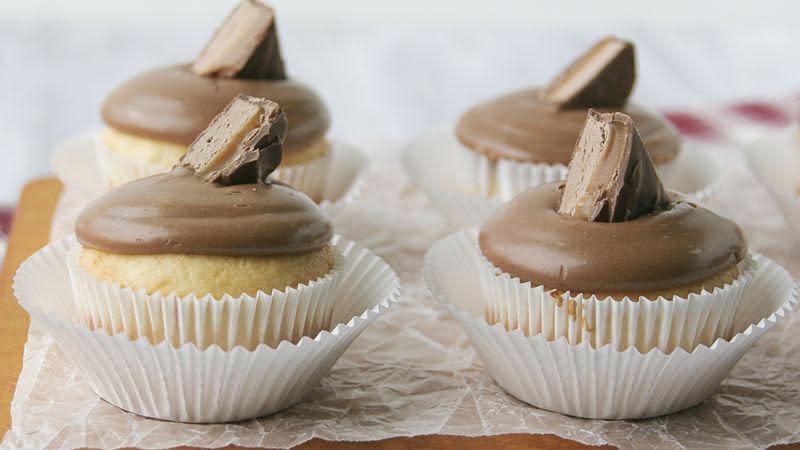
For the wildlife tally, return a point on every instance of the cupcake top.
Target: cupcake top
(218, 200)
(540, 125)
(173, 104)
(176, 103)
(611, 227)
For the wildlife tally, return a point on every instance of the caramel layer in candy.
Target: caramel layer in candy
(243, 144)
(611, 177)
(601, 77)
(245, 46)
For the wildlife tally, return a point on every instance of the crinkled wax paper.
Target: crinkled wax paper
(413, 371)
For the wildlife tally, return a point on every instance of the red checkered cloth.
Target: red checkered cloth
(6, 214)
(737, 121)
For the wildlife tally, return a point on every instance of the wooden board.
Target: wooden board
(30, 231)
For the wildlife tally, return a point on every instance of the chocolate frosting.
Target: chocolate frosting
(174, 105)
(521, 126)
(177, 212)
(683, 245)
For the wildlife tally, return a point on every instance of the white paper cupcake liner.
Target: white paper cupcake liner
(506, 178)
(432, 165)
(513, 177)
(479, 169)
(346, 177)
(696, 174)
(466, 187)
(667, 171)
(76, 164)
(191, 385)
(310, 178)
(244, 320)
(643, 323)
(462, 211)
(775, 161)
(583, 381)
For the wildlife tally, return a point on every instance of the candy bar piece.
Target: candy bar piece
(242, 145)
(611, 177)
(245, 46)
(601, 77)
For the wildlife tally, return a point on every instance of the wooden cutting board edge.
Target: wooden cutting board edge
(30, 230)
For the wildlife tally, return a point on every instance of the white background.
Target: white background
(388, 70)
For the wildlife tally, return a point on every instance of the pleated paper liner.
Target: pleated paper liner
(243, 320)
(583, 381)
(432, 165)
(212, 385)
(310, 177)
(75, 164)
(775, 160)
(644, 323)
(465, 187)
(346, 177)
(506, 178)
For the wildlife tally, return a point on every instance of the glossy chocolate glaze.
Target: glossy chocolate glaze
(172, 104)
(522, 127)
(177, 212)
(686, 244)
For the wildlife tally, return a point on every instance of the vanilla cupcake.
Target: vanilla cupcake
(526, 138)
(609, 256)
(212, 252)
(152, 118)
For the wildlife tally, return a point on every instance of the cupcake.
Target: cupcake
(212, 252)
(152, 118)
(609, 256)
(526, 138)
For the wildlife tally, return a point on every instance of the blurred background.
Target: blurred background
(388, 70)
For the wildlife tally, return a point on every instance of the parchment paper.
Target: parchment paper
(413, 371)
